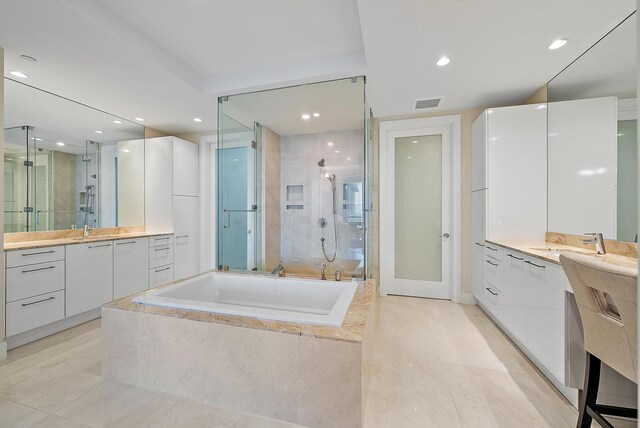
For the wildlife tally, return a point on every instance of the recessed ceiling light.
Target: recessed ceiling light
(414, 142)
(620, 135)
(316, 114)
(557, 44)
(126, 150)
(19, 74)
(60, 143)
(98, 132)
(28, 58)
(330, 143)
(22, 157)
(408, 157)
(541, 107)
(337, 151)
(306, 116)
(197, 119)
(348, 158)
(117, 121)
(139, 119)
(443, 61)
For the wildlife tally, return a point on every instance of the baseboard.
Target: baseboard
(3, 351)
(467, 299)
(49, 329)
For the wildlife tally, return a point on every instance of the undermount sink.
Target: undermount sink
(558, 251)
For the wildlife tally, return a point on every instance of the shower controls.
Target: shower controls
(322, 222)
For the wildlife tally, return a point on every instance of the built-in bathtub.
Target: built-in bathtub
(292, 300)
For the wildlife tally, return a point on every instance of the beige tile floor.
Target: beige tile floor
(435, 364)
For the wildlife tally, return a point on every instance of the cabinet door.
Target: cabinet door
(158, 182)
(517, 173)
(185, 249)
(130, 266)
(545, 289)
(89, 276)
(185, 168)
(478, 201)
(479, 153)
(513, 298)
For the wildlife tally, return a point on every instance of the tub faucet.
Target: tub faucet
(322, 268)
(278, 270)
(597, 239)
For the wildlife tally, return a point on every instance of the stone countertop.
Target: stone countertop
(70, 237)
(550, 252)
(352, 329)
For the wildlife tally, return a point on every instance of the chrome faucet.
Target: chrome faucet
(86, 231)
(278, 270)
(598, 240)
(322, 268)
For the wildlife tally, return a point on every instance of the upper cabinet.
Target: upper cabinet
(515, 143)
(185, 168)
(158, 207)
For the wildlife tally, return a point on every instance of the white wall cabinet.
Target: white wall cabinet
(185, 256)
(89, 276)
(130, 266)
(479, 153)
(478, 210)
(185, 168)
(158, 183)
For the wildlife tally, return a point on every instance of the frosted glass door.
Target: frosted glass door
(419, 211)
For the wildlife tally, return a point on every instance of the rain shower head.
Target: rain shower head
(321, 163)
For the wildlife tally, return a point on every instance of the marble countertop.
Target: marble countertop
(352, 329)
(70, 237)
(550, 252)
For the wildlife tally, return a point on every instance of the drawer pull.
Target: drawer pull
(38, 253)
(491, 263)
(162, 270)
(39, 301)
(99, 246)
(163, 239)
(163, 249)
(533, 264)
(39, 269)
(514, 257)
(492, 249)
(125, 243)
(489, 290)
(479, 244)
(181, 236)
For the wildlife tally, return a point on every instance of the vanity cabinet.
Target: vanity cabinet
(89, 276)
(130, 266)
(513, 299)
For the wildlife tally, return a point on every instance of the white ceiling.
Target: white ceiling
(169, 61)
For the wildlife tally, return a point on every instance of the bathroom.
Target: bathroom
(340, 228)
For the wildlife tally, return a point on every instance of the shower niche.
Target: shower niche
(306, 177)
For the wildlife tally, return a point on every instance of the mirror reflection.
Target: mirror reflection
(67, 165)
(592, 140)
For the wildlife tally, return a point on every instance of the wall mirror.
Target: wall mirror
(592, 140)
(67, 164)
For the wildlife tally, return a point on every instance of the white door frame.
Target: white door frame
(453, 122)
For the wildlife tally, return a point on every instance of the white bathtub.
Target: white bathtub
(294, 300)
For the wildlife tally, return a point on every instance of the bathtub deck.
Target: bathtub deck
(352, 329)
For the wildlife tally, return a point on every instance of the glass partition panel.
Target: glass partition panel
(592, 140)
(67, 165)
(291, 179)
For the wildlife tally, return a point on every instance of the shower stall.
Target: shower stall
(294, 180)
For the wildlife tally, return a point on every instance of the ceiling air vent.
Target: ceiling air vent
(430, 103)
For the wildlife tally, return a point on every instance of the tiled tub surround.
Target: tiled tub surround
(28, 240)
(309, 375)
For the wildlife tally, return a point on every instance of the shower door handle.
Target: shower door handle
(228, 222)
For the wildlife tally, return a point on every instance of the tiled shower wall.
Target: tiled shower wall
(343, 153)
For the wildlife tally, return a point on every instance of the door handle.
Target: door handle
(444, 235)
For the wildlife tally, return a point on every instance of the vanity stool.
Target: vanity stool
(606, 295)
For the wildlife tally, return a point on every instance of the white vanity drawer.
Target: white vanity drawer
(33, 280)
(160, 256)
(491, 273)
(34, 255)
(160, 240)
(160, 276)
(491, 250)
(27, 314)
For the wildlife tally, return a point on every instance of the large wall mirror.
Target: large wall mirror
(67, 165)
(592, 140)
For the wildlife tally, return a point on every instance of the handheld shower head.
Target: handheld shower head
(321, 163)
(330, 177)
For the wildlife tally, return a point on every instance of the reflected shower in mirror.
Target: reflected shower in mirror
(68, 165)
(592, 140)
